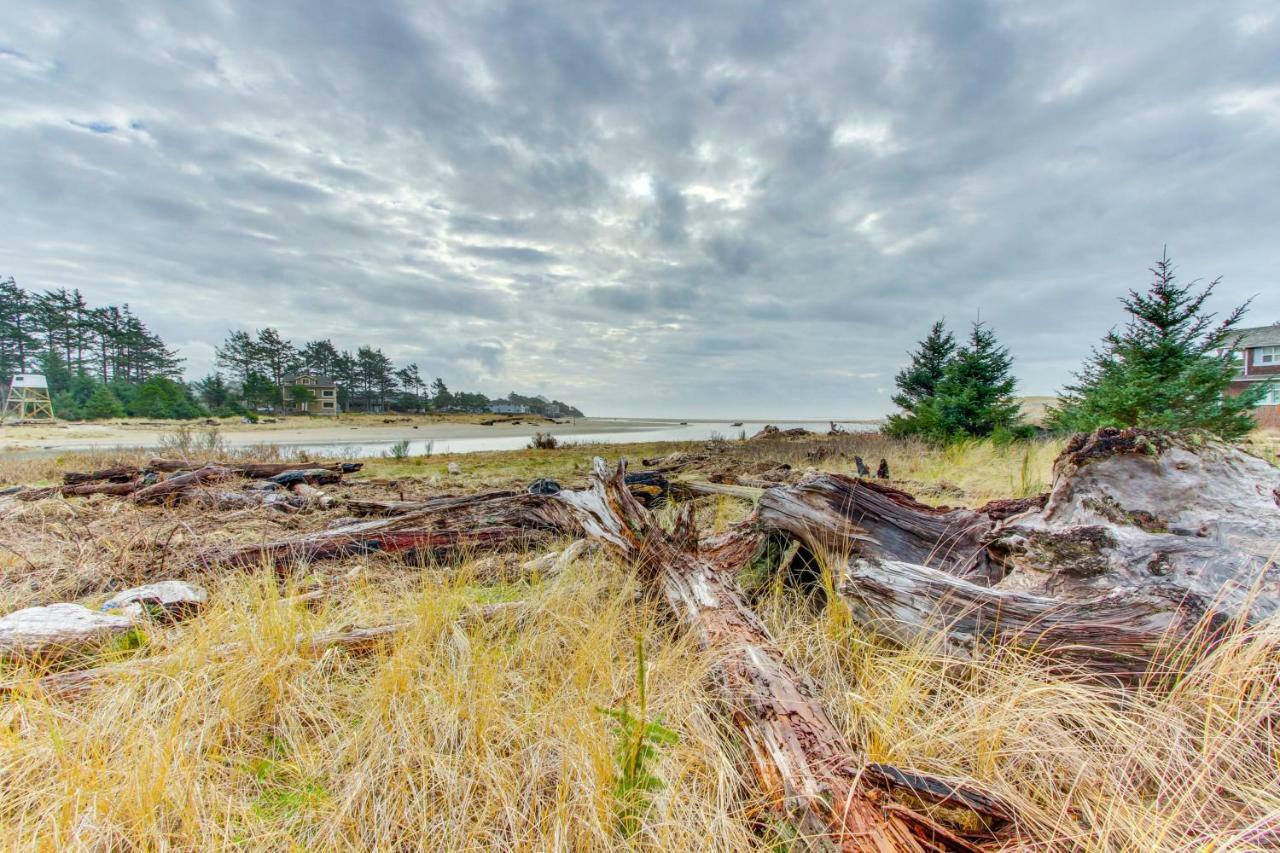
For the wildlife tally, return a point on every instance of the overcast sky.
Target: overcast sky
(645, 208)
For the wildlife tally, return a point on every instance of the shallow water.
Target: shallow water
(675, 431)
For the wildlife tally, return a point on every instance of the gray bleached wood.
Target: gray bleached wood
(58, 630)
(167, 600)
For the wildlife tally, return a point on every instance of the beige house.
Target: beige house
(321, 387)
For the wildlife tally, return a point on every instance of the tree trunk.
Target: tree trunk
(840, 515)
(256, 470)
(1147, 544)
(475, 522)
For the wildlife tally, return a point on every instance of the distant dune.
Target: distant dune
(1035, 408)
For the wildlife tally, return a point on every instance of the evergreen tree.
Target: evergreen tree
(918, 382)
(321, 356)
(55, 372)
(1169, 368)
(237, 355)
(411, 381)
(259, 391)
(214, 392)
(17, 340)
(102, 404)
(975, 396)
(162, 397)
(275, 356)
(440, 396)
(344, 374)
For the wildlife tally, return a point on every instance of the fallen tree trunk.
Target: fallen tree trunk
(118, 474)
(798, 754)
(838, 515)
(1128, 634)
(82, 489)
(1146, 546)
(475, 522)
(254, 470)
(388, 509)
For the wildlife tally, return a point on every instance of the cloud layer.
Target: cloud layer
(645, 208)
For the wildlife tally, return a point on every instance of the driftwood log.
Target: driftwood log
(1145, 543)
(438, 528)
(81, 489)
(250, 470)
(256, 470)
(174, 487)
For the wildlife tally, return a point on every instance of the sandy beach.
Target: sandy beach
(348, 429)
(373, 435)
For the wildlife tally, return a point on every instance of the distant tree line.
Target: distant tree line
(1170, 367)
(104, 362)
(99, 361)
(254, 368)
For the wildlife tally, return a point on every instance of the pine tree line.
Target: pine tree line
(98, 361)
(254, 369)
(58, 326)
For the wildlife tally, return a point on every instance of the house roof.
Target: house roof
(320, 378)
(1258, 336)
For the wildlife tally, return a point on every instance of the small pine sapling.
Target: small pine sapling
(638, 741)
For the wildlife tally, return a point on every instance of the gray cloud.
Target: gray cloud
(728, 209)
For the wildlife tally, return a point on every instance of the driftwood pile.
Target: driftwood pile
(283, 486)
(1145, 548)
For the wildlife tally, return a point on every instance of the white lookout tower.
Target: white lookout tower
(28, 399)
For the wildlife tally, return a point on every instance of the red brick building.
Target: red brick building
(1258, 352)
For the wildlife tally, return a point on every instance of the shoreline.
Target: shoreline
(347, 431)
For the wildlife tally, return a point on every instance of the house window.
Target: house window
(1266, 355)
(326, 393)
(1272, 398)
(328, 405)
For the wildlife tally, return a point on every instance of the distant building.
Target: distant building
(323, 387)
(1258, 354)
(509, 408)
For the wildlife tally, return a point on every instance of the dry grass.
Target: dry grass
(487, 736)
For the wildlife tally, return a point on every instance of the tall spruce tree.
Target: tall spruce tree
(918, 381)
(975, 396)
(1170, 367)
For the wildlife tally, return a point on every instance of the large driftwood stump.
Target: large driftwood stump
(1144, 542)
(1132, 510)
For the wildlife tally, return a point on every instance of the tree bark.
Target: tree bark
(254, 470)
(81, 489)
(119, 474)
(1146, 547)
(172, 488)
(841, 515)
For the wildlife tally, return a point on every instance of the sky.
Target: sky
(721, 209)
